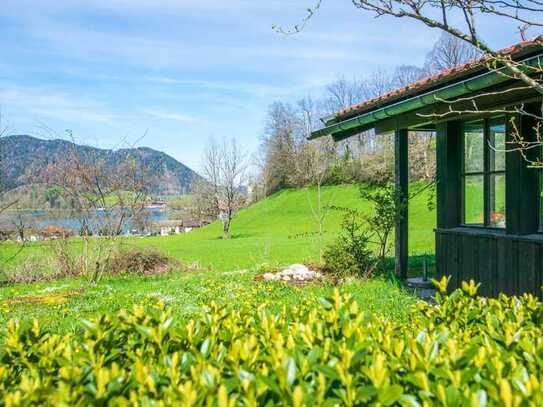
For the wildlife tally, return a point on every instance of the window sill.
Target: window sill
(490, 233)
(474, 230)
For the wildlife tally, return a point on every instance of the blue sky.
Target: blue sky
(180, 71)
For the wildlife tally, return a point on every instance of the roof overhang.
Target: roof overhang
(367, 119)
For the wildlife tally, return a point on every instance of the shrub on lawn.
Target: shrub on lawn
(466, 350)
(29, 271)
(140, 261)
(64, 262)
(61, 262)
(349, 254)
(65, 259)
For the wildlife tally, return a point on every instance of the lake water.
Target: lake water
(38, 219)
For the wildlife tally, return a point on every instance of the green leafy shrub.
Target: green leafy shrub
(381, 222)
(349, 254)
(466, 350)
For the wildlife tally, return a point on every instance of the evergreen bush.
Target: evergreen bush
(465, 350)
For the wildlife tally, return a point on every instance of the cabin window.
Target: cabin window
(483, 173)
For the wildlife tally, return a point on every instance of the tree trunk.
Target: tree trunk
(320, 218)
(226, 228)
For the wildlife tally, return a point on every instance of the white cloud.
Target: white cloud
(243, 88)
(167, 115)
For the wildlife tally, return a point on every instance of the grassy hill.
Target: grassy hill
(281, 229)
(278, 230)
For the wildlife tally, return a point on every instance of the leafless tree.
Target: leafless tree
(204, 206)
(377, 83)
(224, 169)
(407, 74)
(343, 93)
(449, 52)
(20, 222)
(309, 112)
(210, 188)
(442, 15)
(312, 167)
(462, 20)
(233, 176)
(103, 201)
(422, 153)
(339, 95)
(285, 131)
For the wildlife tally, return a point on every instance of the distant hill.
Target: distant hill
(23, 155)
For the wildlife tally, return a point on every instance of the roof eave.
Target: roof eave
(457, 89)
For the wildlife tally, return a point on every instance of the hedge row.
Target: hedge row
(466, 350)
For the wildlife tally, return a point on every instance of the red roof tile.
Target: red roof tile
(443, 76)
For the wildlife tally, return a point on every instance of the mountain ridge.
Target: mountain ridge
(22, 155)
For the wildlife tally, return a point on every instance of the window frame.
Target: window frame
(486, 173)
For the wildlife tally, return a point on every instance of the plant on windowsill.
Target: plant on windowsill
(497, 219)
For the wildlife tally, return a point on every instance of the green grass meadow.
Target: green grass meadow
(277, 231)
(61, 305)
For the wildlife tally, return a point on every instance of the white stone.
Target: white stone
(295, 272)
(268, 276)
(299, 272)
(298, 268)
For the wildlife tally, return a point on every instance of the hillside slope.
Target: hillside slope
(281, 229)
(24, 157)
(278, 230)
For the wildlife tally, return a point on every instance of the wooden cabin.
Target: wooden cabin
(489, 211)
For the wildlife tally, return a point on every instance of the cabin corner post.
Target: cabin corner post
(522, 184)
(448, 183)
(449, 197)
(401, 176)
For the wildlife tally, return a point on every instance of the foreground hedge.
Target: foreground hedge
(466, 350)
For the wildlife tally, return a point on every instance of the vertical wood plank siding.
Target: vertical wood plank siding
(501, 263)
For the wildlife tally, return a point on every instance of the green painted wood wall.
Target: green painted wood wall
(509, 261)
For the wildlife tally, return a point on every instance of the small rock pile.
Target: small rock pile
(296, 273)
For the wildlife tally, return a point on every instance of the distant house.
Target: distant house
(165, 231)
(54, 232)
(489, 201)
(170, 227)
(157, 204)
(191, 224)
(167, 227)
